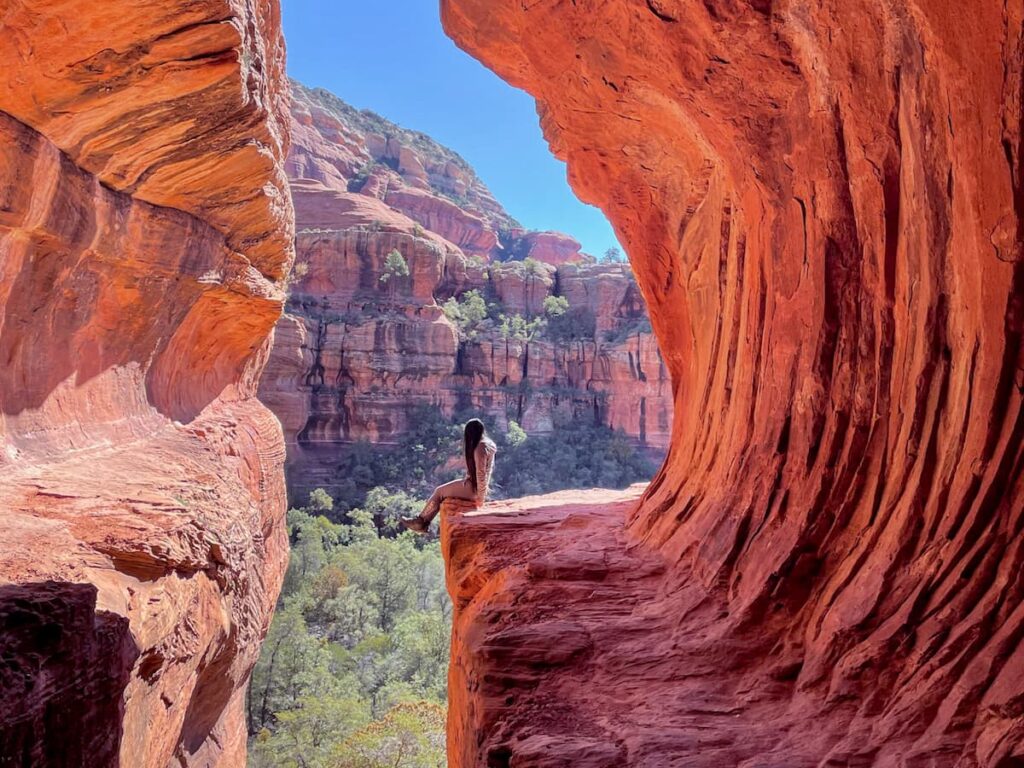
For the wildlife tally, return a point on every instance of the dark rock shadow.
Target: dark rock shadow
(64, 667)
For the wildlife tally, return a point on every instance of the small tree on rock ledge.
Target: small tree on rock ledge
(395, 268)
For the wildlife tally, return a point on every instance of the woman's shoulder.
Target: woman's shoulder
(487, 445)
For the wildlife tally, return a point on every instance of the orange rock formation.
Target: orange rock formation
(145, 226)
(823, 204)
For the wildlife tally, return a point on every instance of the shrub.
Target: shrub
(516, 435)
(518, 328)
(532, 267)
(578, 454)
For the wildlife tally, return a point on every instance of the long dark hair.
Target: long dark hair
(471, 437)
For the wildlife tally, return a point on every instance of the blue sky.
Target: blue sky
(393, 57)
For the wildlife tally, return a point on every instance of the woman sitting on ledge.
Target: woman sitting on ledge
(473, 487)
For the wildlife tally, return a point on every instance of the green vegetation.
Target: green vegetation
(612, 256)
(413, 467)
(518, 328)
(467, 312)
(556, 306)
(532, 267)
(395, 266)
(587, 456)
(575, 455)
(516, 435)
(353, 671)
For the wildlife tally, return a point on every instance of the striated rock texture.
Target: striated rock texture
(356, 356)
(823, 205)
(145, 228)
(348, 150)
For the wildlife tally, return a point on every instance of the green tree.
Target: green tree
(395, 266)
(516, 435)
(555, 306)
(468, 313)
(387, 507)
(309, 735)
(422, 640)
(612, 256)
(410, 735)
(363, 630)
(518, 328)
(320, 502)
(310, 537)
(293, 665)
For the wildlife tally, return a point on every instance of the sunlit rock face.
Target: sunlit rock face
(822, 203)
(145, 227)
(356, 356)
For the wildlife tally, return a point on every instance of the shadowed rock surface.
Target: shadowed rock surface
(145, 227)
(823, 207)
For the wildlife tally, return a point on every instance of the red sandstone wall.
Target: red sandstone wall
(145, 226)
(823, 205)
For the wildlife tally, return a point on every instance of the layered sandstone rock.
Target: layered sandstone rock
(823, 206)
(357, 355)
(145, 227)
(554, 248)
(348, 150)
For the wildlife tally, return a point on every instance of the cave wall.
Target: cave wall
(822, 202)
(145, 228)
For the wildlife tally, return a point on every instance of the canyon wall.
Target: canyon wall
(823, 206)
(360, 353)
(145, 231)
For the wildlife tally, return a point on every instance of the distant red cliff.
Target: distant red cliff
(355, 354)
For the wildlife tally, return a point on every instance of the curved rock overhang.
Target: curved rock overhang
(145, 229)
(823, 205)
